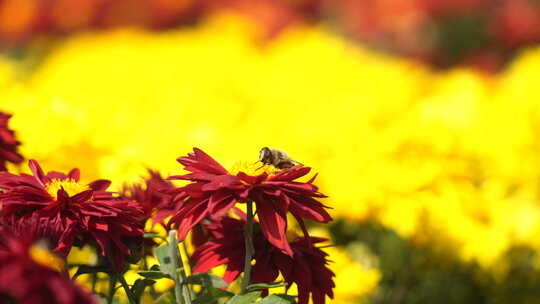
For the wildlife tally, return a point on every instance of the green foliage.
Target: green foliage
(414, 273)
(262, 286)
(247, 298)
(461, 35)
(151, 235)
(278, 299)
(85, 269)
(166, 261)
(154, 275)
(139, 286)
(207, 279)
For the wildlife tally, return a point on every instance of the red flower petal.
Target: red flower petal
(8, 143)
(222, 181)
(220, 203)
(100, 185)
(190, 214)
(38, 172)
(74, 174)
(273, 223)
(290, 174)
(82, 196)
(308, 208)
(200, 161)
(252, 179)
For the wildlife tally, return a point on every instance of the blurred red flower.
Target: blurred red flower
(224, 247)
(151, 194)
(307, 267)
(516, 23)
(29, 274)
(213, 191)
(72, 210)
(8, 143)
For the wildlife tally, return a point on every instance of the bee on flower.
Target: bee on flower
(214, 191)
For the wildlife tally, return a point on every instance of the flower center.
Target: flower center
(71, 186)
(253, 169)
(44, 257)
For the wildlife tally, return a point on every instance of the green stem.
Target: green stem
(181, 290)
(190, 263)
(120, 276)
(130, 295)
(94, 282)
(153, 292)
(112, 287)
(248, 238)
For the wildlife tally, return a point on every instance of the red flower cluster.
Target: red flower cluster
(27, 275)
(213, 191)
(57, 210)
(307, 267)
(8, 143)
(69, 210)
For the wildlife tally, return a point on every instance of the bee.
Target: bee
(277, 158)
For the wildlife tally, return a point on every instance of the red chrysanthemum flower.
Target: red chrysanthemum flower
(307, 267)
(152, 195)
(31, 227)
(29, 274)
(72, 210)
(213, 191)
(8, 143)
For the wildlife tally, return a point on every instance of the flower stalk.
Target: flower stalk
(112, 288)
(248, 238)
(115, 275)
(181, 290)
(130, 295)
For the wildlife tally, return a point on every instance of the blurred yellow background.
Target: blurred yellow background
(448, 158)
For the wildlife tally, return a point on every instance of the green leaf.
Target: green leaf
(261, 286)
(165, 298)
(154, 275)
(83, 269)
(139, 286)
(204, 299)
(207, 280)
(220, 293)
(166, 262)
(212, 295)
(151, 235)
(278, 299)
(247, 298)
(171, 264)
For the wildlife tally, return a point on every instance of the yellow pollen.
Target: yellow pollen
(46, 258)
(251, 168)
(70, 186)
